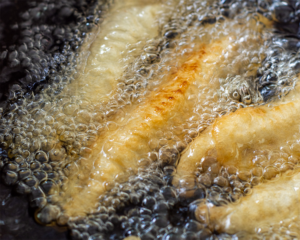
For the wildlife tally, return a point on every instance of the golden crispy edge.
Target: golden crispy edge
(236, 134)
(268, 205)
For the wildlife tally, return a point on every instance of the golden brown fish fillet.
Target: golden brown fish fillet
(234, 137)
(268, 205)
(120, 38)
(120, 150)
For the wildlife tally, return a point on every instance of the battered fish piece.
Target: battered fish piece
(268, 205)
(120, 38)
(234, 137)
(123, 148)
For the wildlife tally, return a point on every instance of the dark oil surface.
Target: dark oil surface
(35, 23)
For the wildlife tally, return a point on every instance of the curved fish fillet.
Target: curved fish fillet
(121, 36)
(234, 137)
(124, 147)
(268, 205)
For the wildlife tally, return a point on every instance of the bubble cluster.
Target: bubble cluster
(18, 222)
(41, 40)
(144, 206)
(50, 136)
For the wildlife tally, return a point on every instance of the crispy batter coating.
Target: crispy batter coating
(268, 205)
(120, 150)
(122, 34)
(234, 137)
(232, 140)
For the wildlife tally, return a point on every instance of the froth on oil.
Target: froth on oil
(167, 128)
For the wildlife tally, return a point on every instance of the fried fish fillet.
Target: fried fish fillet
(120, 38)
(233, 140)
(120, 150)
(268, 205)
(234, 137)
